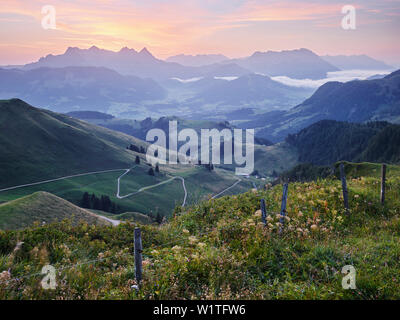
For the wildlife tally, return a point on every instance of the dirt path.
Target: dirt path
(239, 180)
(149, 187)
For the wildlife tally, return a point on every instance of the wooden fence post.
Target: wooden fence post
(344, 187)
(138, 256)
(284, 201)
(383, 184)
(263, 212)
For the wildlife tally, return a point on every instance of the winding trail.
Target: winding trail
(149, 187)
(113, 222)
(62, 178)
(117, 222)
(239, 180)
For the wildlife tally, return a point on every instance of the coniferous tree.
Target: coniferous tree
(105, 203)
(85, 203)
(97, 203)
(92, 200)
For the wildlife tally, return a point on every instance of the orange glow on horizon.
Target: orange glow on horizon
(236, 28)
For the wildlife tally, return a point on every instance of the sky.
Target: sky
(235, 28)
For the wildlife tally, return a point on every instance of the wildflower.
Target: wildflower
(201, 244)
(300, 214)
(176, 248)
(146, 263)
(299, 230)
(192, 239)
(269, 219)
(5, 276)
(154, 252)
(185, 231)
(314, 228)
(258, 213)
(287, 218)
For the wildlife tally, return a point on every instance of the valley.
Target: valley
(193, 156)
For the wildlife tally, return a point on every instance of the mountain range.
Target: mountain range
(300, 63)
(126, 62)
(354, 101)
(71, 88)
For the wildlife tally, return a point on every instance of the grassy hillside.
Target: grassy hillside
(37, 145)
(328, 141)
(200, 183)
(42, 207)
(219, 249)
(272, 160)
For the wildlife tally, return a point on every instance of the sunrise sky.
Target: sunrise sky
(167, 27)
